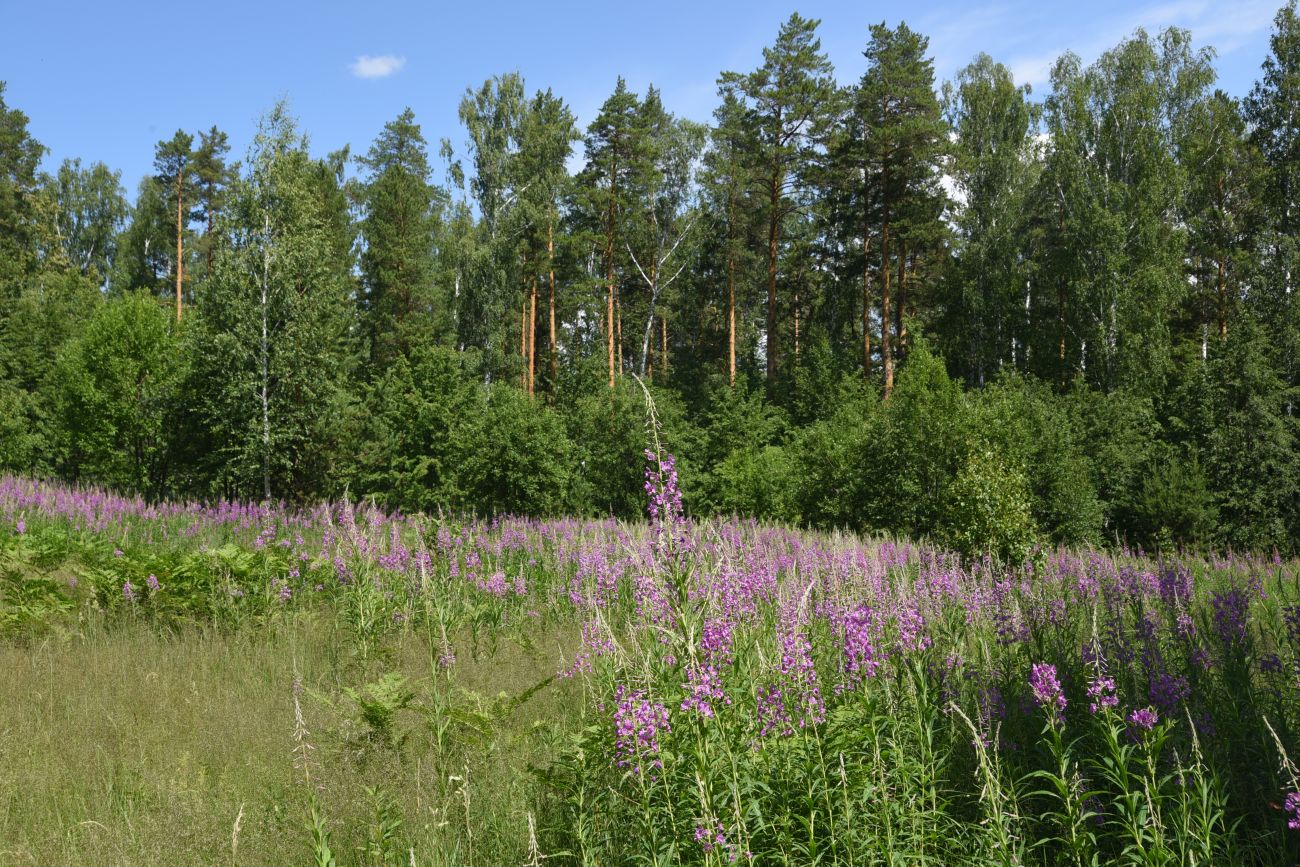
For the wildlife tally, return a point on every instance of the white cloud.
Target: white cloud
(1226, 26)
(381, 66)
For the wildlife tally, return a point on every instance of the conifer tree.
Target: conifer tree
(905, 141)
(400, 226)
(173, 162)
(611, 160)
(788, 100)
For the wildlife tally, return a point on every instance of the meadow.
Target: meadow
(252, 684)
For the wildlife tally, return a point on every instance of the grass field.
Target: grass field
(262, 685)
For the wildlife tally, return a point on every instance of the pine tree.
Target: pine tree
(788, 100)
(611, 157)
(905, 141)
(212, 175)
(730, 191)
(173, 161)
(547, 138)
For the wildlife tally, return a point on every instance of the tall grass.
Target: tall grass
(598, 693)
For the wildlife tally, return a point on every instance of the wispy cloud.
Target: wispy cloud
(1226, 26)
(380, 66)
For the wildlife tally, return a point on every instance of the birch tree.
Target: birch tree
(273, 355)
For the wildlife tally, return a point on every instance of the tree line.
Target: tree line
(955, 310)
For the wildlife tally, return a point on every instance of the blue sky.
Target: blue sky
(105, 81)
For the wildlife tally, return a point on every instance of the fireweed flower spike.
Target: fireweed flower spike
(1292, 807)
(1046, 688)
(638, 722)
(1144, 718)
(1102, 693)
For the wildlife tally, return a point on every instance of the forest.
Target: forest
(892, 472)
(956, 310)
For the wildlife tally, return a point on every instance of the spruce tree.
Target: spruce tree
(398, 265)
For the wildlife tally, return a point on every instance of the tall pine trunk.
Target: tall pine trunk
(886, 313)
(731, 317)
(180, 235)
(550, 275)
(532, 332)
(866, 304)
(773, 237)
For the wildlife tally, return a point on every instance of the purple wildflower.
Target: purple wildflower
(1292, 808)
(128, 592)
(152, 583)
(21, 526)
(704, 687)
(1144, 718)
(1168, 691)
(1230, 610)
(715, 838)
(1291, 616)
(1046, 688)
(860, 660)
(638, 722)
(911, 631)
(1102, 693)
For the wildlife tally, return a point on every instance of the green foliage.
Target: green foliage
(411, 438)
(921, 442)
(1039, 437)
(272, 352)
(118, 384)
(377, 705)
(400, 304)
(610, 437)
(757, 482)
(988, 510)
(20, 440)
(520, 461)
(1175, 504)
(1099, 294)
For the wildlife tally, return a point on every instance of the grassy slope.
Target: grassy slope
(124, 746)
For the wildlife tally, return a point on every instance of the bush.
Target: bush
(988, 511)
(757, 483)
(517, 456)
(118, 384)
